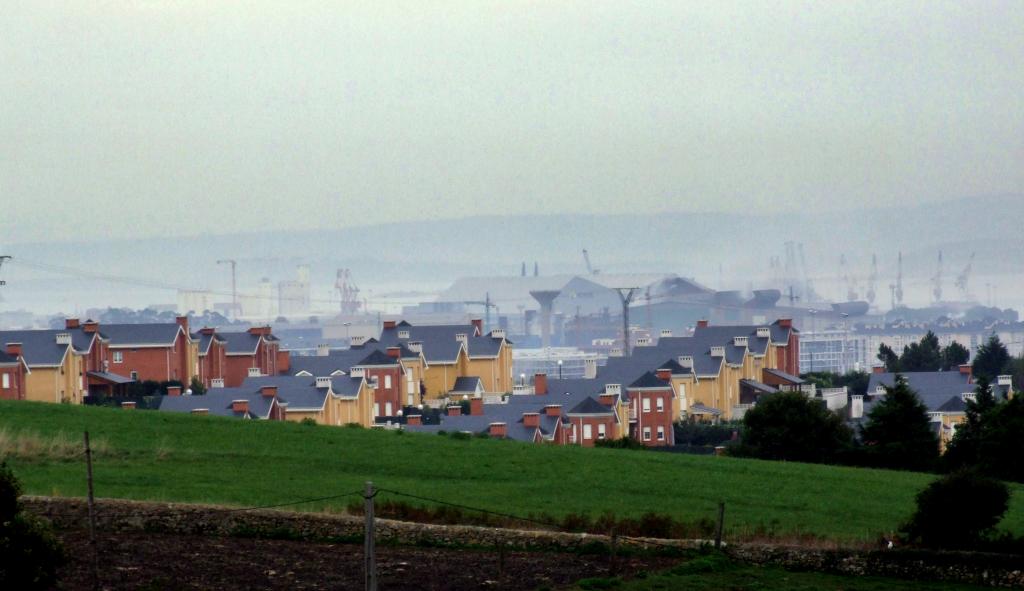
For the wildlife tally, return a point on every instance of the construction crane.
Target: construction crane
(487, 304)
(872, 279)
(851, 287)
(234, 285)
(964, 277)
(586, 259)
(896, 289)
(937, 281)
(3, 258)
(348, 292)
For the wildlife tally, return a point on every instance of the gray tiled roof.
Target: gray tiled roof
(240, 342)
(465, 384)
(936, 389)
(218, 402)
(649, 380)
(38, 347)
(140, 334)
(725, 334)
(6, 359)
(205, 340)
(299, 392)
(377, 358)
(439, 342)
(758, 386)
(792, 379)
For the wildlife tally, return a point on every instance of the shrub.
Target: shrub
(309, 422)
(621, 443)
(29, 554)
(958, 511)
(791, 426)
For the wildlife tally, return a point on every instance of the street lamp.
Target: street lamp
(522, 379)
(559, 369)
(347, 338)
(814, 324)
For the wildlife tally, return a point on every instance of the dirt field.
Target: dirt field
(154, 561)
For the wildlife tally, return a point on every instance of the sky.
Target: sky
(150, 118)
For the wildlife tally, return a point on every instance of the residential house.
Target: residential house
(160, 352)
(55, 373)
(253, 353)
(211, 350)
(245, 402)
(13, 373)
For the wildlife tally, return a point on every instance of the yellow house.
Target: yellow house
(490, 359)
(443, 370)
(57, 372)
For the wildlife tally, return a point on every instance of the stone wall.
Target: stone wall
(184, 519)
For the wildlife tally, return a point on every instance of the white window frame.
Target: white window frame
(661, 433)
(118, 357)
(387, 382)
(587, 431)
(376, 409)
(602, 431)
(134, 375)
(661, 404)
(646, 402)
(7, 380)
(388, 409)
(647, 433)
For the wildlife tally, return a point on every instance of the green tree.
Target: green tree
(923, 356)
(992, 359)
(29, 554)
(989, 438)
(889, 358)
(197, 387)
(954, 355)
(791, 426)
(957, 511)
(898, 433)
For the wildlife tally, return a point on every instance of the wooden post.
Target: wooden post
(92, 514)
(369, 551)
(501, 559)
(613, 546)
(721, 524)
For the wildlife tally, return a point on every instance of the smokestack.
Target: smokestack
(546, 299)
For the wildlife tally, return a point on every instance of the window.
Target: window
(587, 432)
(387, 409)
(7, 380)
(661, 404)
(601, 434)
(647, 404)
(135, 375)
(661, 433)
(387, 381)
(118, 357)
(647, 433)
(374, 382)
(376, 409)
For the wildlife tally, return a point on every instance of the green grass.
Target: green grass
(714, 573)
(171, 457)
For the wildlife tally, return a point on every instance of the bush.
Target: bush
(791, 426)
(621, 443)
(958, 511)
(309, 422)
(29, 554)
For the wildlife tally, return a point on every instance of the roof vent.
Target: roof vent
(665, 332)
(323, 382)
(739, 341)
(415, 346)
(498, 333)
(1004, 380)
(357, 372)
(718, 351)
(63, 338)
(217, 383)
(615, 389)
(254, 372)
(323, 350)
(968, 396)
(462, 337)
(763, 332)
(403, 334)
(686, 361)
(356, 340)
(615, 352)
(643, 342)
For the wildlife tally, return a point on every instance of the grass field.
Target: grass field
(714, 573)
(148, 455)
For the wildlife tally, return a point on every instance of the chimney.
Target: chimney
(498, 430)
(323, 382)
(553, 410)
(200, 411)
(476, 406)
(217, 383)
(590, 368)
(63, 338)
(394, 352)
(207, 330)
(881, 368)
(414, 420)
(183, 323)
(686, 361)
(478, 323)
(763, 332)
(462, 337)
(454, 410)
(323, 350)
(785, 322)
(643, 342)
(702, 324)
(607, 399)
(1004, 380)
(71, 323)
(128, 405)
(664, 374)
(390, 324)
(498, 333)
(91, 326)
(14, 349)
(718, 351)
(239, 406)
(531, 419)
(268, 391)
(966, 369)
(540, 383)
(257, 330)
(174, 390)
(356, 340)
(254, 372)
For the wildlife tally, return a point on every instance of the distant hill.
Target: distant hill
(691, 244)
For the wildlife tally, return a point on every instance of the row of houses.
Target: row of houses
(85, 358)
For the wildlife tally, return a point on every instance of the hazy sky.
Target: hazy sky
(131, 118)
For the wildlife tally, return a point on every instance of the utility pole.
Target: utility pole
(625, 296)
(92, 514)
(2, 259)
(369, 550)
(234, 285)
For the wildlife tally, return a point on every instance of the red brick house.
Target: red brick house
(213, 357)
(650, 410)
(383, 371)
(255, 352)
(13, 370)
(158, 352)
